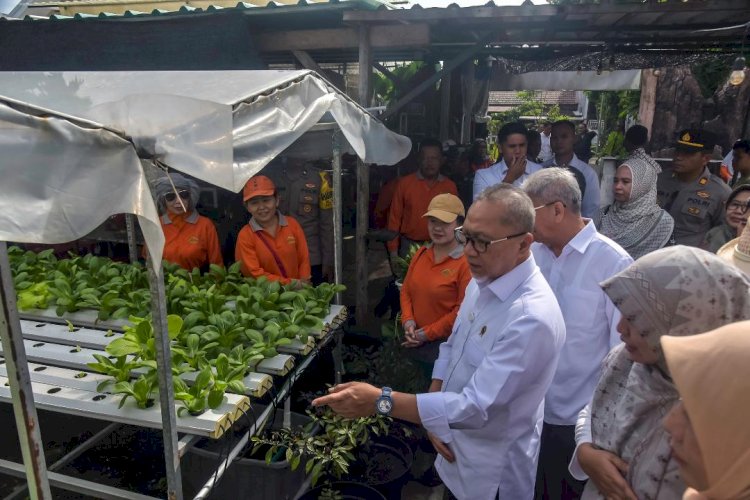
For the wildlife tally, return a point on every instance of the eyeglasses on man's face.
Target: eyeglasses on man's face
(550, 204)
(184, 194)
(738, 206)
(479, 244)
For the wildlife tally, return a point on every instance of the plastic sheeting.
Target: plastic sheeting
(62, 177)
(219, 126)
(569, 80)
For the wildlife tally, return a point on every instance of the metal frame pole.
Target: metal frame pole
(132, 245)
(338, 243)
(166, 389)
(27, 421)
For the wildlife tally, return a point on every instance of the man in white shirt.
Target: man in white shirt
(513, 168)
(574, 258)
(546, 134)
(562, 141)
(486, 402)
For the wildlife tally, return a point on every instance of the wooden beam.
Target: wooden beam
(307, 61)
(445, 106)
(362, 312)
(386, 72)
(447, 68)
(365, 66)
(396, 36)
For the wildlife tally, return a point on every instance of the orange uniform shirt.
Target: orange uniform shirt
(289, 246)
(191, 241)
(432, 292)
(410, 201)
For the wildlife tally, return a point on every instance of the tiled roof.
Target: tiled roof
(511, 98)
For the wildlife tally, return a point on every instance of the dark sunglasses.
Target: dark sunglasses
(184, 194)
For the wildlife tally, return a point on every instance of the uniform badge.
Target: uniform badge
(291, 240)
(703, 194)
(310, 185)
(685, 137)
(703, 181)
(193, 240)
(446, 272)
(308, 198)
(693, 210)
(307, 209)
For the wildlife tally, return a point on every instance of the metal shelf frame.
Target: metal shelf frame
(21, 392)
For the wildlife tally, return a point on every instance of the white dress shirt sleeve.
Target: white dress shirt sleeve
(590, 202)
(440, 367)
(480, 183)
(583, 436)
(512, 364)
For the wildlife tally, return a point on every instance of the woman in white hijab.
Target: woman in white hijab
(675, 291)
(710, 435)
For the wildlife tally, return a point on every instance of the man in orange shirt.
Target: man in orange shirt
(271, 244)
(413, 195)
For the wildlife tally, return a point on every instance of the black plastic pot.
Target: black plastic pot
(384, 464)
(347, 489)
(249, 476)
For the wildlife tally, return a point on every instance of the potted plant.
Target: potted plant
(345, 448)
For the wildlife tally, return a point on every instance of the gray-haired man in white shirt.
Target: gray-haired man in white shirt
(485, 406)
(574, 258)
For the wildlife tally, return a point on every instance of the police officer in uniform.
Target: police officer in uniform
(692, 195)
(305, 192)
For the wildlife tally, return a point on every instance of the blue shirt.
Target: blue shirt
(496, 367)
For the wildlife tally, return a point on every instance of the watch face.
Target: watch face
(384, 405)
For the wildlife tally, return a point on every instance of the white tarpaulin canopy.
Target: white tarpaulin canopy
(219, 126)
(62, 177)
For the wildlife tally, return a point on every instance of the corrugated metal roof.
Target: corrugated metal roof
(83, 9)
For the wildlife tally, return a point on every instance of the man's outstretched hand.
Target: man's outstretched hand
(350, 400)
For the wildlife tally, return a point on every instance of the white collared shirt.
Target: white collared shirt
(590, 317)
(546, 152)
(496, 367)
(591, 197)
(495, 174)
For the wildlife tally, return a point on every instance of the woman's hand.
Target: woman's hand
(410, 335)
(607, 471)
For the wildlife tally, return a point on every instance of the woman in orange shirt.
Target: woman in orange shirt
(436, 280)
(191, 239)
(271, 244)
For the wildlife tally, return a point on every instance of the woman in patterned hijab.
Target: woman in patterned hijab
(634, 220)
(676, 291)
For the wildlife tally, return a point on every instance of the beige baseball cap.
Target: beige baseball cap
(445, 207)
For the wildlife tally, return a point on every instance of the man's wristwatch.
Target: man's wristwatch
(384, 404)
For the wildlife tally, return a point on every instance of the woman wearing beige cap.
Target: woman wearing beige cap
(436, 280)
(709, 432)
